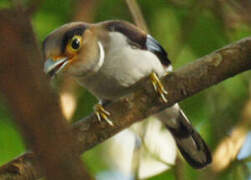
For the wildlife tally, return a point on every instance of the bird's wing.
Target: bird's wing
(138, 38)
(154, 46)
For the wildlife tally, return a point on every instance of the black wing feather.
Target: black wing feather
(154, 46)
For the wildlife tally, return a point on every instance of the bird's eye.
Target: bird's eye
(75, 43)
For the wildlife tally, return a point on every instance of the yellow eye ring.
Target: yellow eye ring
(75, 43)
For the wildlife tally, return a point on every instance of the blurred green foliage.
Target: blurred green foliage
(187, 30)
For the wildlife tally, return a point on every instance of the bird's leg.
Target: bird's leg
(158, 87)
(102, 114)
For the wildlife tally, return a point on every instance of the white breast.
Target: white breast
(123, 66)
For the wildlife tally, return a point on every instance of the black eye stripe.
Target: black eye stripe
(69, 35)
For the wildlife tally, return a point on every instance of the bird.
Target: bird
(108, 59)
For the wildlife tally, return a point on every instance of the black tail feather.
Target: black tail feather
(190, 143)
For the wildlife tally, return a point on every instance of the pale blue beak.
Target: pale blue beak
(53, 67)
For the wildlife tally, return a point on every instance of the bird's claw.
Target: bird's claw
(158, 87)
(101, 113)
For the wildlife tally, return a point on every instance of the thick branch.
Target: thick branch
(187, 81)
(34, 107)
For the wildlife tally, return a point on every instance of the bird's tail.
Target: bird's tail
(190, 143)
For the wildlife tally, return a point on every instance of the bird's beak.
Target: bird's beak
(53, 67)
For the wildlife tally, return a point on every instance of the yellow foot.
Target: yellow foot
(158, 87)
(101, 113)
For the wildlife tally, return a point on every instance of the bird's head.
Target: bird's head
(73, 49)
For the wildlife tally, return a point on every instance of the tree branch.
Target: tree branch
(187, 81)
(34, 106)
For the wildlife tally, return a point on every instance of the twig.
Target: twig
(187, 81)
(179, 169)
(85, 10)
(137, 14)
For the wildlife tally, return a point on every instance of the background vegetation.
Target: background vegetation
(188, 30)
